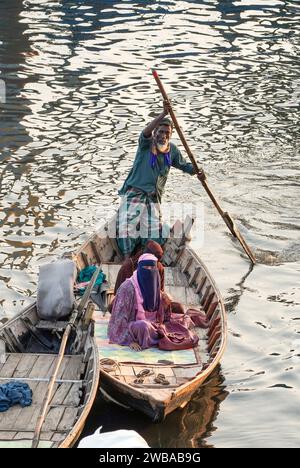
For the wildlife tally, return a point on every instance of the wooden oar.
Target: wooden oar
(49, 393)
(226, 217)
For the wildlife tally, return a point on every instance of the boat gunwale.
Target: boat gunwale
(76, 430)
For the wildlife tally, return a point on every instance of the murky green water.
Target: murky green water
(79, 91)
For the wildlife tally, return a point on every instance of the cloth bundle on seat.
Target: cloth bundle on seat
(14, 392)
(55, 297)
(176, 336)
(84, 277)
(198, 317)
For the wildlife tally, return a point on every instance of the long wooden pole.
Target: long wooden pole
(46, 402)
(225, 215)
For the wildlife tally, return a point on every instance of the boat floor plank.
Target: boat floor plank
(4, 435)
(73, 369)
(62, 368)
(129, 379)
(25, 365)
(167, 371)
(60, 393)
(57, 437)
(37, 394)
(66, 394)
(171, 379)
(42, 366)
(127, 370)
(153, 368)
(68, 419)
(20, 366)
(29, 435)
(19, 419)
(39, 391)
(28, 421)
(187, 373)
(10, 365)
(24, 417)
(53, 418)
(72, 398)
(8, 418)
(7, 435)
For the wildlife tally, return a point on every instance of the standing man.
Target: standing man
(139, 215)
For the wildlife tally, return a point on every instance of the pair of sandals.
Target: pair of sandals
(159, 378)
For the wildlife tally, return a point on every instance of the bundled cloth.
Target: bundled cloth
(55, 297)
(177, 333)
(198, 318)
(14, 392)
(85, 276)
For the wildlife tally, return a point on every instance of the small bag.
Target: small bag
(175, 336)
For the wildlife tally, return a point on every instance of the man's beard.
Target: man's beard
(162, 147)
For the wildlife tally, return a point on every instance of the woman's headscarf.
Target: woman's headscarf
(147, 285)
(154, 248)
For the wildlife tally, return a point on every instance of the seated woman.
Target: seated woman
(140, 308)
(130, 264)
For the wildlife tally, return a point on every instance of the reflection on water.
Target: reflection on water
(188, 427)
(79, 91)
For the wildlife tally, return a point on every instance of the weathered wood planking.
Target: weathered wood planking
(8, 369)
(71, 400)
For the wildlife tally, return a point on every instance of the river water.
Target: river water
(78, 92)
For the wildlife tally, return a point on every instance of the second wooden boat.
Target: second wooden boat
(28, 353)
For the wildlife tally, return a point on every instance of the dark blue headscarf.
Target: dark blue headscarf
(149, 282)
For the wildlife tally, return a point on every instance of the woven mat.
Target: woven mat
(125, 354)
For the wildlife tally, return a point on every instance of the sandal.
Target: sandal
(140, 376)
(108, 365)
(161, 379)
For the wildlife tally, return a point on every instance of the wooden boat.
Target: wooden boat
(189, 282)
(31, 355)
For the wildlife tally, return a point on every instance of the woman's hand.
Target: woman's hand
(135, 346)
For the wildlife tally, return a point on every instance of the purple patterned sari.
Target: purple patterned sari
(123, 328)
